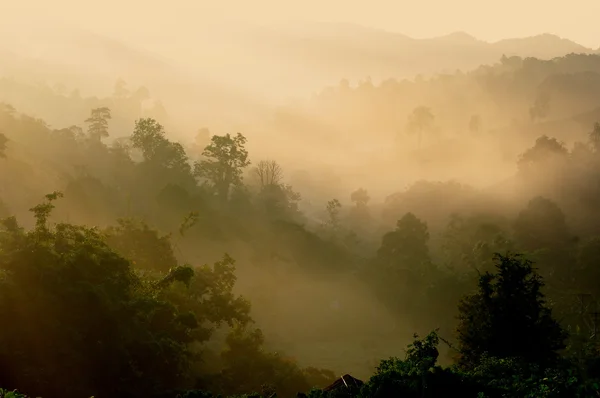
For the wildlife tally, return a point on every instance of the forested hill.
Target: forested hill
(136, 265)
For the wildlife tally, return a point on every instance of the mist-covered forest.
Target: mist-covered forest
(428, 235)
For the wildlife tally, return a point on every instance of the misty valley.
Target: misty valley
(430, 231)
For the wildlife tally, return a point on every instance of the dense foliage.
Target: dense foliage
(125, 309)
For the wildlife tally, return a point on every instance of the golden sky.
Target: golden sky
(486, 19)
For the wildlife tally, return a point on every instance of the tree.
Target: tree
(141, 245)
(98, 123)
(280, 201)
(507, 317)
(406, 246)
(594, 137)
(360, 197)
(333, 214)
(250, 367)
(470, 242)
(120, 90)
(546, 152)
(269, 172)
(541, 225)
(79, 320)
(224, 160)
(588, 258)
(164, 158)
(149, 137)
(420, 120)
(91, 327)
(3, 141)
(201, 140)
(542, 230)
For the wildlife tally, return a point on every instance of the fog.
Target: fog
(433, 108)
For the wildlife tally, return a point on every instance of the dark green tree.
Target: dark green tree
(540, 225)
(76, 319)
(406, 247)
(508, 317)
(164, 161)
(225, 158)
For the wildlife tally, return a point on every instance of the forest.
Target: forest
(427, 237)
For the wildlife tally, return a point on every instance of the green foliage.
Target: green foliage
(142, 245)
(508, 317)
(112, 312)
(165, 161)
(106, 330)
(224, 161)
(406, 246)
(333, 215)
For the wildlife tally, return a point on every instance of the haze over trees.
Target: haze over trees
(279, 247)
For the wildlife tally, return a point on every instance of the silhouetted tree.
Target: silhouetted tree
(508, 317)
(594, 137)
(165, 161)
(98, 123)
(541, 225)
(406, 246)
(224, 160)
(333, 214)
(546, 151)
(360, 197)
(3, 142)
(420, 120)
(269, 172)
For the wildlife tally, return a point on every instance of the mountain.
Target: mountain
(309, 56)
(237, 70)
(78, 59)
(542, 46)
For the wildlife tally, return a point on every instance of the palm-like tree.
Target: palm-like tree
(419, 120)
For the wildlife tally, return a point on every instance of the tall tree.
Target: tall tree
(406, 246)
(333, 214)
(594, 137)
(224, 161)
(98, 123)
(508, 318)
(420, 120)
(3, 141)
(149, 137)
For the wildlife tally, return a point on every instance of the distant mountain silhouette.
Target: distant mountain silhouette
(329, 52)
(253, 61)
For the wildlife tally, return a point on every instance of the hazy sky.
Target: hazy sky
(488, 20)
